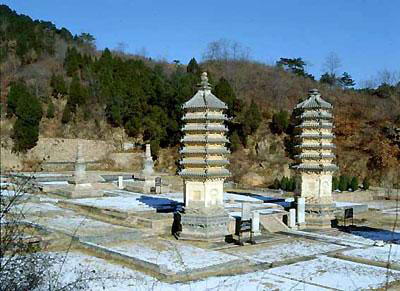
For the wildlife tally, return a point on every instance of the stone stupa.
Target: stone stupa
(315, 160)
(147, 181)
(148, 164)
(203, 161)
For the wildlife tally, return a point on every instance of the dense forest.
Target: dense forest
(53, 81)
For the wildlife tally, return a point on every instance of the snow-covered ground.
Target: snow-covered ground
(391, 211)
(280, 252)
(36, 208)
(103, 275)
(116, 203)
(54, 183)
(172, 256)
(320, 274)
(68, 222)
(379, 254)
(241, 198)
(336, 273)
(12, 193)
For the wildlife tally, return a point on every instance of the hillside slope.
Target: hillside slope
(119, 97)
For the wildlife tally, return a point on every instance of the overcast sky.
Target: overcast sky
(365, 34)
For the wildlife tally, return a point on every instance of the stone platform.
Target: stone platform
(208, 224)
(147, 185)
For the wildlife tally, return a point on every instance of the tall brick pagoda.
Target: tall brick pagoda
(315, 160)
(203, 161)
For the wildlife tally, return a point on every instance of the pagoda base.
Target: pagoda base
(319, 216)
(204, 224)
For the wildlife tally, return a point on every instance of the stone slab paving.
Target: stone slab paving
(284, 251)
(72, 224)
(389, 252)
(104, 275)
(170, 256)
(125, 204)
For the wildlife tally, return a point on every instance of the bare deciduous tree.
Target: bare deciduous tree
(332, 64)
(24, 262)
(224, 50)
(388, 77)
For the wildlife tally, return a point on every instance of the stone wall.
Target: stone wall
(53, 150)
(64, 150)
(127, 161)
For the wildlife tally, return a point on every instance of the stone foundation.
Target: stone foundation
(319, 216)
(146, 185)
(209, 224)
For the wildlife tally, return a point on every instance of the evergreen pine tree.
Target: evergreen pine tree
(71, 61)
(291, 184)
(329, 79)
(50, 110)
(343, 183)
(366, 183)
(77, 94)
(26, 128)
(284, 183)
(58, 84)
(354, 184)
(277, 184)
(280, 122)
(225, 92)
(235, 141)
(17, 90)
(335, 183)
(254, 117)
(346, 80)
(193, 67)
(67, 114)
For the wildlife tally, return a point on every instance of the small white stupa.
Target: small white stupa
(148, 163)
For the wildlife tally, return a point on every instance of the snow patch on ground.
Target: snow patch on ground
(173, 256)
(104, 275)
(378, 254)
(115, 203)
(276, 253)
(37, 208)
(55, 183)
(336, 273)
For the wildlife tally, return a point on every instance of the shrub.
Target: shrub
(26, 128)
(276, 184)
(284, 183)
(280, 122)
(67, 114)
(354, 184)
(50, 110)
(343, 183)
(335, 183)
(235, 141)
(365, 183)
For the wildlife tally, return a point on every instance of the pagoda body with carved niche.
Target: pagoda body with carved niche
(203, 162)
(315, 160)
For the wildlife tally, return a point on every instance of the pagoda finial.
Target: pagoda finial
(204, 82)
(313, 92)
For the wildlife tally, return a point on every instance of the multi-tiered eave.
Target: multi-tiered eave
(204, 151)
(315, 137)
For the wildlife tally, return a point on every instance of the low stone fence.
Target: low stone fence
(357, 196)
